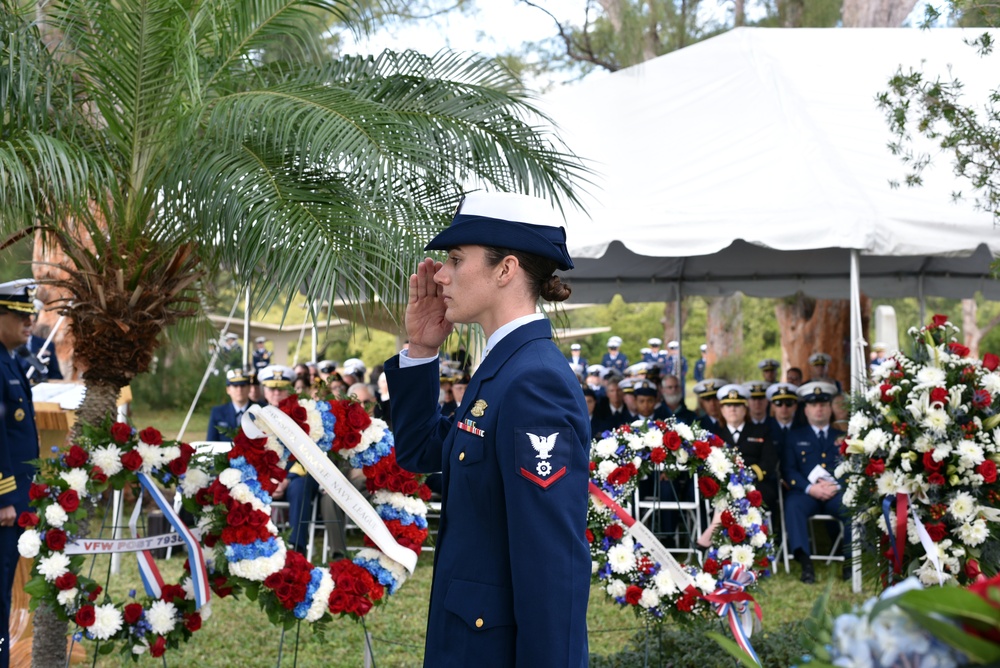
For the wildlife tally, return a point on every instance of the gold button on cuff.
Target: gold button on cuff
(461, 456)
(479, 623)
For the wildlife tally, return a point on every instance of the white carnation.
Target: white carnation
(705, 582)
(258, 569)
(194, 480)
(605, 468)
(55, 515)
(930, 376)
(973, 534)
(962, 506)
(652, 438)
(736, 490)
(991, 383)
(107, 621)
(971, 454)
(77, 480)
(108, 458)
(67, 596)
(29, 543)
(162, 617)
(684, 431)
(649, 599)
(758, 539)
(606, 447)
(621, 558)
(616, 588)
(53, 566)
(875, 440)
(321, 599)
(231, 477)
(664, 583)
(857, 424)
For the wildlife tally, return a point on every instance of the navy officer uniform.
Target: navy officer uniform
(224, 420)
(699, 366)
(576, 357)
(512, 565)
(18, 439)
(613, 359)
(706, 391)
(753, 440)
(261, 355)
(808, 449)
(780, 394)
(654, 355)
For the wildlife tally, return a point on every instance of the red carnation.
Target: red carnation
(132, 460)
(657, 455)
(936, 479)
(132, 613)
(614, 531)
(711, 566)
(938, 320)
(69, 500)
(737, 533)
(171, 593)
(708, 487)
(66, 581)
(55, 539)
(936, 531)
(958, 349)
(151, 436)
(589, 535)
(97, 475)
(121, 432)
(192, 621)
(76, 457)
(939, 395)
(671, 440)
(86, 616)
(37, 491)
(884, 389)
(991, 361)
(702, 449)
(988, 469)
(686, 602)
(755, 498)
(931, 464)
(633, 594)
(875, 466)
(158, 647)
(27, 519)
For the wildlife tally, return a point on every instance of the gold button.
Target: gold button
(824, 455)
(461, 456)
(479, 623)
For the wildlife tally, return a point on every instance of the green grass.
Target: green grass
(238, 633)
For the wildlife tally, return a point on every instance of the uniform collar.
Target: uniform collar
(503, 331)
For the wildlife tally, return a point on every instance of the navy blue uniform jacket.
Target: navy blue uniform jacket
(18, 437)
(222, 422)
(511, 565)
(803, 452)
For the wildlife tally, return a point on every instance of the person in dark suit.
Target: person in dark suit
(611, 411)
(512, 566)
(753, 441)
(18, 439)
(810, 457)
(224, 420)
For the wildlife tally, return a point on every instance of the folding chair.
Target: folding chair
(690, 513)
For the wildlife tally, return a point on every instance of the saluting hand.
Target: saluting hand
(426, 325)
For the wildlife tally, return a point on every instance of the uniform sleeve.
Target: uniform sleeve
(213, 431)
(543, 453)
(792, 473)
(8, 483)
(418, 427)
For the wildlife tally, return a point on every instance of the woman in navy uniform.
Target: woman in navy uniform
(18, 438)
(512, 565)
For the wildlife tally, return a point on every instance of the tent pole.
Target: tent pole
(246, 331)
(315, 330)
(858, 367)
(921, 300)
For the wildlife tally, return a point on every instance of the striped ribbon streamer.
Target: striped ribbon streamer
(152, 581)
(730, 599)
(899, 539)
(196, 558)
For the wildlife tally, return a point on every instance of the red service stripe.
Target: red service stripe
(544, 484)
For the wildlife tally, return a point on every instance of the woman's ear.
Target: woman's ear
(509, 266)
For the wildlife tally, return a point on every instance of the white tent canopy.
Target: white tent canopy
(758, 160)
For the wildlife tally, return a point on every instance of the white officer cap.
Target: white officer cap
(260, 339)
(327, 366)
(655, 342)
(703, 347)
(237, 377)
(597, 370)
(778, 391)
(19, 295)
(708, 387)
(276, 376)
(673, 345)
(732, 394)
(354, 366)
(615, 342)
(575, 346)
(637, 369)
(231, 336)
(819, 359)
(817, 391)
(757, 389)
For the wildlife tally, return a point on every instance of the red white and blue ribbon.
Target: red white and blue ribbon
(148, 570)
(731, 600)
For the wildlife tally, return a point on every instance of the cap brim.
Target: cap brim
(544, 241)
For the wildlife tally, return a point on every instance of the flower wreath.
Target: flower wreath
(109, 456)
(921, 460)
(628, 570)
(252, 556)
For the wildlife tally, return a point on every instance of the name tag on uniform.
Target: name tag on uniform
(755, 440)
(470, 426)
(14, 382)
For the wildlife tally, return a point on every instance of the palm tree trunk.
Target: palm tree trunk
(100, 401)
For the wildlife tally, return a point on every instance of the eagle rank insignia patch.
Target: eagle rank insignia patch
(541, 455)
